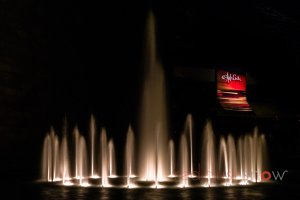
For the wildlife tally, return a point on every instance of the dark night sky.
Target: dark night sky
(83, 51)
(70, 56)
(76, 58)
(88, 48)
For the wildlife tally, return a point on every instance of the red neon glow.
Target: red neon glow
(231, 91)
(231, 81)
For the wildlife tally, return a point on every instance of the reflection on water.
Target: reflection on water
(45, 191)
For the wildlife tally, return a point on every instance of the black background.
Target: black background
(72, 59)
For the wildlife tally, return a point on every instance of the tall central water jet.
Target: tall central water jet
(92, 145)
(153, 158)
(184, 161)
(189, 132)
(104, 164)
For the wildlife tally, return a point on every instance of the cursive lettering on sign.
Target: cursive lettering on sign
(231, 77)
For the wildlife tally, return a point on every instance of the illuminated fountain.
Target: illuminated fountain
(224, 161)
(208, 154)
(129, 156)
(184, 161)
(172, 158)
(92, 146)
(104, 156)
(153, 160)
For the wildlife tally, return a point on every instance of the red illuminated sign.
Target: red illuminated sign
(231, 81)
(231, 91)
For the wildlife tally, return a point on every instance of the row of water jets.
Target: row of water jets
(93, 162)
